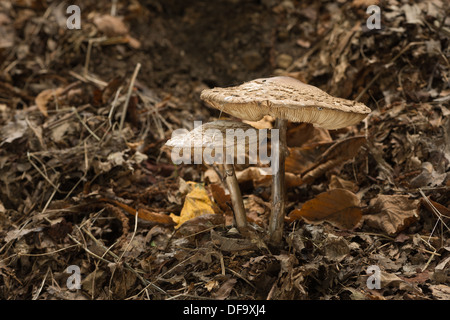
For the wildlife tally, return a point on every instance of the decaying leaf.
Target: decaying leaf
(222, 198)
(256, 209)
(392, 213)
(225, 289)
(440, 291)
(145, 214)
(196, 203)
(200, 224)
(302, 158)
(43, 99)
(339, 183)
(232, 244)
(335, 155)
(260, 178)
(338, 207)
(12, 131)
(306, 133)
(336, 248)
(111, 25)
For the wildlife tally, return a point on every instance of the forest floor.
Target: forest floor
(85, 114)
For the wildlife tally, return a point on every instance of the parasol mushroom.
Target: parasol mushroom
(215, 137)
(284, 98)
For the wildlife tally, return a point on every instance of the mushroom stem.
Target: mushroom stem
(278, 185)
(236, 198)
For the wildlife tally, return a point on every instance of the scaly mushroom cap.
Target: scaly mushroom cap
(206, 135)
(285, 98)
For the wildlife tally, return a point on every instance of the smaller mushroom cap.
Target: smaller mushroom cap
(206, 135)
(229, 141)
(285, 98)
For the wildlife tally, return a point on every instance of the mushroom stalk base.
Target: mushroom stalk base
(236, 199)
(276, 221)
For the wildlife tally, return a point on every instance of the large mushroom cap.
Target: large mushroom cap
(286, 98)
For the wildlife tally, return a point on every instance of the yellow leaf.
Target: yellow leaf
(197, 203)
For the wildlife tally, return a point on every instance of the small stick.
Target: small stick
(130, 90)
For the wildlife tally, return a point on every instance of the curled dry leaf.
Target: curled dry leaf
(45, 97)
(392, 213)
(144, 214)
(338, 207)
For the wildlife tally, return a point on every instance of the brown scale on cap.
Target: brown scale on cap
(285, 98)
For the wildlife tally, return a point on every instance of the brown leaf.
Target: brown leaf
(335, 155)
(200, 224)
(111, 26)
(225, 290)
(45, 97)
(222, 199)
(339, 183)
(232, 244)
(338, 207)
(300, 159)
(145, 214)
(260, 179)
(306, 133)
(257, 210)
(392, 213)
(431, 205)
(440, 291)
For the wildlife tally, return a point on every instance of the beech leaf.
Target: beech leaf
(392, 213)
(338, 207)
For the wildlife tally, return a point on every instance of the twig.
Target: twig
(38, 292)
(84, 124)
(29, 155)
(88, 54)
(130, 90)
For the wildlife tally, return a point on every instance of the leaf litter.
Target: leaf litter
(84, 116)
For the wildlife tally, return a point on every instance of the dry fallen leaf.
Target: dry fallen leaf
(338, 207)
(300, 159)
(222, 198)
(306, 133)
(144, 214)
(339, 183)
(111, 26)
(338, 153)
(392, 213)
(440, 291)
(225, 289)
(44, 97)
(196, 203)
(260, 179)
